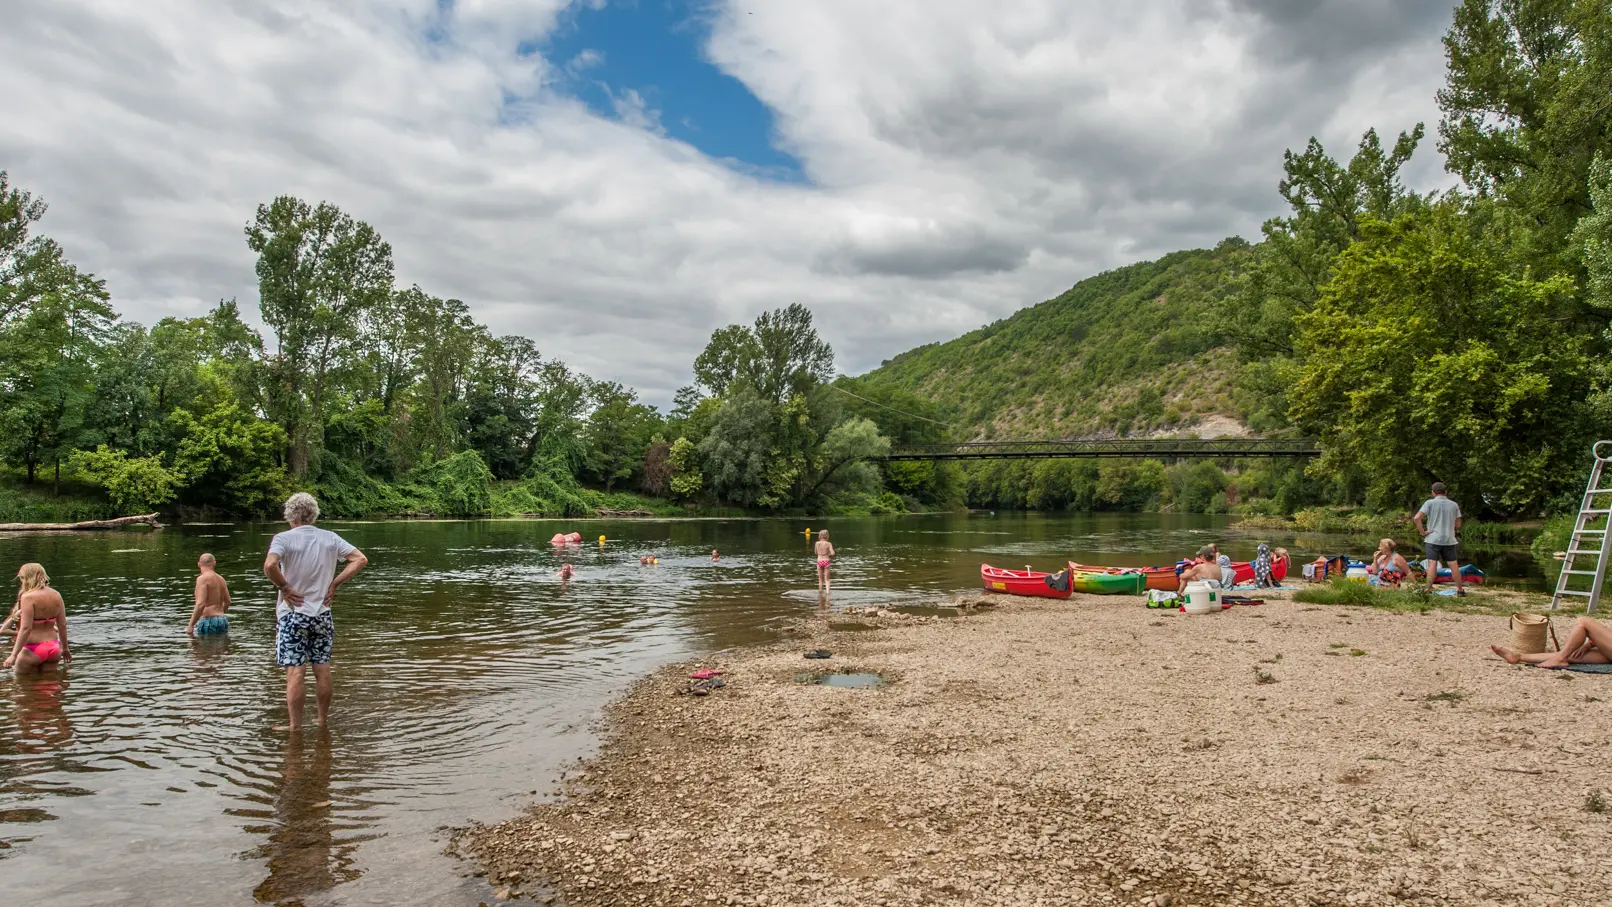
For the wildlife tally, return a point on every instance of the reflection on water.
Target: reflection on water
(465, 674)
(303, 853)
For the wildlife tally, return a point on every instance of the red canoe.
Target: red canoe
(1026, 582)
(1165, 577)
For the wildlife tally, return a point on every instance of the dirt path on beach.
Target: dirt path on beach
(1093, 751)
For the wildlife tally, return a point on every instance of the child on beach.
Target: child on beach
(212, 600)
(825, 552)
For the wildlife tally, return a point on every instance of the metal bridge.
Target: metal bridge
(1120, 448)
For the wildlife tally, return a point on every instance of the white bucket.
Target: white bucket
(1360, 574)
(1202, 597)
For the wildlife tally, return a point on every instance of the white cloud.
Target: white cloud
(964, 159)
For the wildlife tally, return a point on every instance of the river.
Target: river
(147, 772)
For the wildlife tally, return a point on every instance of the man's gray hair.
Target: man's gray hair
(301, 508)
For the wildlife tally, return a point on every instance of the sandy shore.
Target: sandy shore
(1092, 751)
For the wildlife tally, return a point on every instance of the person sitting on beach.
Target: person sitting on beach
(41, 617)
(212, 600)
(1228, 575)
(1202, 571)
(1588, 643)
(825, 554)
(1388, 566)
(1264, 568)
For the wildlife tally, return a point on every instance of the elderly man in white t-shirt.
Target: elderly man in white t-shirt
(302, 565)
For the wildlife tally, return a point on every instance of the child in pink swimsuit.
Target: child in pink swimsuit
(825, 551)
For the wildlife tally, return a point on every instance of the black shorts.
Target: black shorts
(1443, 554)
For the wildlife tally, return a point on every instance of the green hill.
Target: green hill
(1132, 351)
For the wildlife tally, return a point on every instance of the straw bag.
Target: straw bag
(1528, 633)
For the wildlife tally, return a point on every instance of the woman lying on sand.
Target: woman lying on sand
(1589, 643)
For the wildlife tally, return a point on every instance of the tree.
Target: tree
(843, 459)
(319, 272)
(618, 432)
(1434, 356)
(135, 485)
(1526, 111)
(46, 370)
(227, 457)
(1286, 274)
(501, 403)
(1592, 236)
(726, 357)
(779, 357)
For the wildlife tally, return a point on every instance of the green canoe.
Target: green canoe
(1108, 583)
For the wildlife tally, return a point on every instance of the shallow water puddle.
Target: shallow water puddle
(852, 681)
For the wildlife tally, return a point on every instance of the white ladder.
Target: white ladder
(1594, 507)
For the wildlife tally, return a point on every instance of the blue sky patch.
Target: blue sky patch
(642, 61)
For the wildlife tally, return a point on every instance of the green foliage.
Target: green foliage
(1352, 592)
(134, 484)
(686, 481)
(21, 503)
(228, 460)
(320, 272)
(1433, 357)
(460, 485)
(1593, 236)
(1131, 350)
(1525, 112)
(1555, 536)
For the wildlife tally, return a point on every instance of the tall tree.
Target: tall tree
(1527, 107)
(319, 272)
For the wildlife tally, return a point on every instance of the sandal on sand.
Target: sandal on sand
(819, 653)
(706, 674)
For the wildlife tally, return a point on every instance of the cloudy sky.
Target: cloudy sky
(617, 178)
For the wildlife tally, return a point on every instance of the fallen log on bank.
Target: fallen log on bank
(618, 514)
(122, 522)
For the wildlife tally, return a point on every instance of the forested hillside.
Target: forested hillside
(1131, 351)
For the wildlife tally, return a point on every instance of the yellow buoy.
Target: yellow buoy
(601, 540)
(808, 530)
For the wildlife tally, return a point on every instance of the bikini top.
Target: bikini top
(44, 620)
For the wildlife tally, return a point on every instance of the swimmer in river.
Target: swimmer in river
(715, 556)
(566, 572)
(825, 553)
(41, 618)
(212, 600)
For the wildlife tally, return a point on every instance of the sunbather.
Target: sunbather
(1588, 643)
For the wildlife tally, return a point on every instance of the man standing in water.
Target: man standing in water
(212, 600)
(1438, 521)
(300, 563)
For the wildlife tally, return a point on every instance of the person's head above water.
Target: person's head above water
(301, 509)
(206, 561)
(565, 570)
(31, 577)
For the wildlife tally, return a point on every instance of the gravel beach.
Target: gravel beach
(1090, 751)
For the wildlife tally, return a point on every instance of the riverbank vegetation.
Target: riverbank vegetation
(392, 401)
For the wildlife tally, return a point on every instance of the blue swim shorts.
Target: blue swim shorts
(301, 640)
(215, 624)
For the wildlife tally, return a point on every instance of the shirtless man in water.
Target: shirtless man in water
(825, 553)
(1588, 643)
(212, 600)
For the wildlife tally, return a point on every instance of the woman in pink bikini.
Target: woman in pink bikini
(41, 622)
(825, 551)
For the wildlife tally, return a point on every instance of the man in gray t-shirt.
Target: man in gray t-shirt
(1438, 521)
